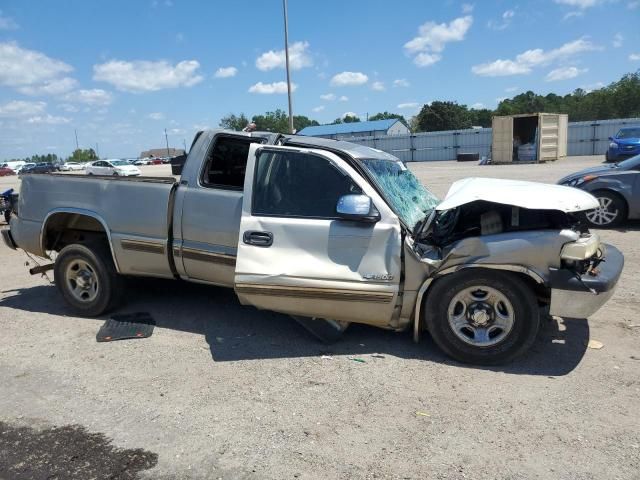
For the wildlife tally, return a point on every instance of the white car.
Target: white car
(142, 161)
(72, 166)
(26, 165)
(112, 167)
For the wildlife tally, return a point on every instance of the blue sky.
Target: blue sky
(121, 71)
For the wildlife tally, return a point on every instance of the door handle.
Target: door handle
(259, 239)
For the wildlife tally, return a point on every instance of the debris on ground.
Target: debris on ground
(595, 344)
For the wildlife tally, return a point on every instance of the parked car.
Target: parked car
(72, 166)
(26, 165)
(39, 168)
(142, 161)
(156, 161)
(626, 143)
(329, 232)
(15, 166)
(6, 171)
(112, 167)
(617, 188)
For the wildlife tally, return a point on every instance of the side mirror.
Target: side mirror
(358, 208)
(611, 138)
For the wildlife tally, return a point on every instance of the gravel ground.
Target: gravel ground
(224, 391)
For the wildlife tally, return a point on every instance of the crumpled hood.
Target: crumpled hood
(531, 195)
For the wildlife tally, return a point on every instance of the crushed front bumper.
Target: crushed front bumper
(574, 296)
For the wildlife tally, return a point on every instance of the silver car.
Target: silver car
(617, 188)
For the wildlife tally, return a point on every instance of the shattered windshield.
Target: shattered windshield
(410, 200)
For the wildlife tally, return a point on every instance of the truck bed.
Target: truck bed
(133, 210)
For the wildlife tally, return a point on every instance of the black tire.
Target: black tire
(7, 215)
(614, 204)
(516, 341)
(89, 173)
(109, 290)
(115, 174)
(606, 157)
(327, 331)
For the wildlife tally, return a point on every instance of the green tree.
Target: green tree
(350, 119)
(81, 155)
(481, 117)
(300, 122)
(388, 116)
(276, 121)
(234, 122)
(443, 116)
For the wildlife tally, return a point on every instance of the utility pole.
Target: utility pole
(76, 132)
(97, 150)
(286, 56)
(167, 140)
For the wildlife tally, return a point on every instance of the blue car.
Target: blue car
(625, 144)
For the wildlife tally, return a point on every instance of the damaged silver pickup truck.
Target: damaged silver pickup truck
(331, 233)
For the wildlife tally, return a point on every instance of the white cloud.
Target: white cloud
(176, 131)
(7, 23)
(349, 79)
(411, 105)
(424, 59)
(634, 57)
(573, 14)
(467, 8)
(269, 88)
(21, 108)
(401, 82)
(477, 106)
(68, 107)
(580, 3)
(156, 116)
(318, 108)
(343, 98)
(511, 89)
(48, 120)
(617, 40)
(433, 37)
(20, 67)
(298, 58)
(50, 87)
(505, 21)
(526, 61)
(226, 72)
(94, 96)
(378, 86)
(564, 73)
(146, 76)
(328, 96)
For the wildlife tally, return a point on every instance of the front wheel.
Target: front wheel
(611, 212)
(87, 278)
(482, 316)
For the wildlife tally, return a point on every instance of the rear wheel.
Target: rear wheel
(87, 278)
(482, 316)
(611, 212)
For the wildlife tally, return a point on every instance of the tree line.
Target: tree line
(79, 155)
(620, 99)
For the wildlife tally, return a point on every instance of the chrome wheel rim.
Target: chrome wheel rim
(82, 281)
(605, 214)
(480, 316)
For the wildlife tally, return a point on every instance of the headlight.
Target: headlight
(576, 182)
(583, 248)
(613, 145)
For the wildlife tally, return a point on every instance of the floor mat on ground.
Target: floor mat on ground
(122, 327)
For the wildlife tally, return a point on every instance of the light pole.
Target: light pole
(286, 56)
(166, 140)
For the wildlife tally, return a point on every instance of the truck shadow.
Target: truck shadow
(235, 332)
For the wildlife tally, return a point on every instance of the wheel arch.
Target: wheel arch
(531, 277)
(64, 218)
(608, 189)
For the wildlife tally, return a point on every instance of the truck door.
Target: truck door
(208, 208)
(298, 255)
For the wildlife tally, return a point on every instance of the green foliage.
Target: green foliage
(481, 117)
(47, 158)
(388, 116)
(83, 155)
(443, 116)
(234, 122)
(620, 99)
(350, 119)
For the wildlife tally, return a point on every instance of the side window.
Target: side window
(292, 184)
(226, 163)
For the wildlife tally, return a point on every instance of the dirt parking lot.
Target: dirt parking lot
(224, 391)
